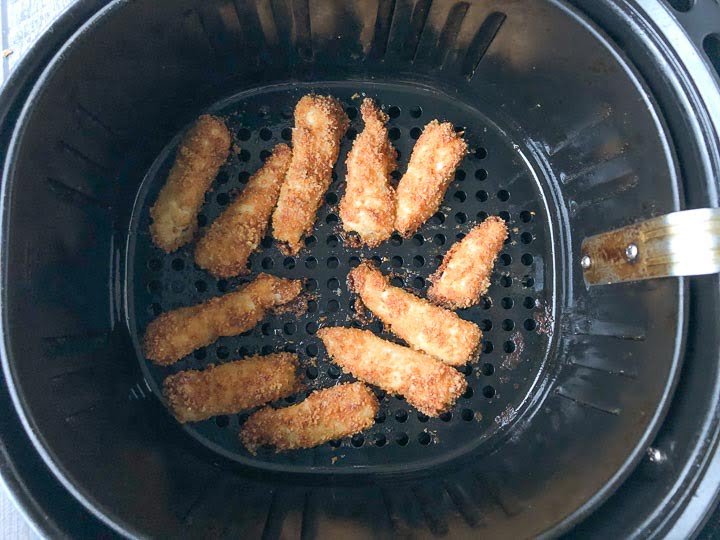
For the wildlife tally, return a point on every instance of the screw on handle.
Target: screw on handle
(683, 243)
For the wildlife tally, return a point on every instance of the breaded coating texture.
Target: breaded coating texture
(331, 413)
(179, 332)
(425, 327)
(225, 249)
(320, 123)
(435, 157)
(464, 275)
(202, 151)
(368, 206)
(229, 388)
(427, 384)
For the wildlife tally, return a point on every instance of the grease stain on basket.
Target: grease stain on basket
(545, 321)
(506, 417)
(512, 360)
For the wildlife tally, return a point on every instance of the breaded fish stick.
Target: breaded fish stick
(232, 238)
(425, 327)
(320, 123)
(368, 206)
(436, 155)
(229, 388)
(325, 415)
(427, 384)
(464, 275)
(179, 332)
(201, 153)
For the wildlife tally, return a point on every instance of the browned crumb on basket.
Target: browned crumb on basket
(362, 314)
(331, 413)
(232, 387)
(368, 206)
(179, 332)
(297, 306)
(435, 157)
(424, 326)
(426, 383)
(202, 151)
(231, 239)
(320, 124)
(464, 275)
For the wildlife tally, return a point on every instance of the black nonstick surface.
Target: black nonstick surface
(516, 316)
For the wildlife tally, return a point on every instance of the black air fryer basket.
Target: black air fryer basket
(582, 117)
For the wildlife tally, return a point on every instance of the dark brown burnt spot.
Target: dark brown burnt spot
(609, 261)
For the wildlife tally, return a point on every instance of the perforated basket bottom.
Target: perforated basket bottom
(495, 179)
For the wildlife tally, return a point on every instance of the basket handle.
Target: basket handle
(683, 243)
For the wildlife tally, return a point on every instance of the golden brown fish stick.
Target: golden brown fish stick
(229, 388)
(179, 332)
(368, 206)
(325, 415)
(320, 123)
(464, 275)
(427, 384)
(201, 153)
(436, 155)
(425, 327)
(232, 238)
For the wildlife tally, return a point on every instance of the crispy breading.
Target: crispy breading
(179, 332)
(331, 413)
(427, 384)
(368, 206)
(320, 124)
(464, 275)
(233, 236)
(232, 387)
(435, 157)
(202, 151)
(424, 326)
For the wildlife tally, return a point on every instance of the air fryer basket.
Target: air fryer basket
(567, 142)
(517, 315)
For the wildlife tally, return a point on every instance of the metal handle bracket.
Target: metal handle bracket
(683, 243)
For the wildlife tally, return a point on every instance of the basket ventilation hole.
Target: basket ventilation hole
(682, 5)
(711, 45)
